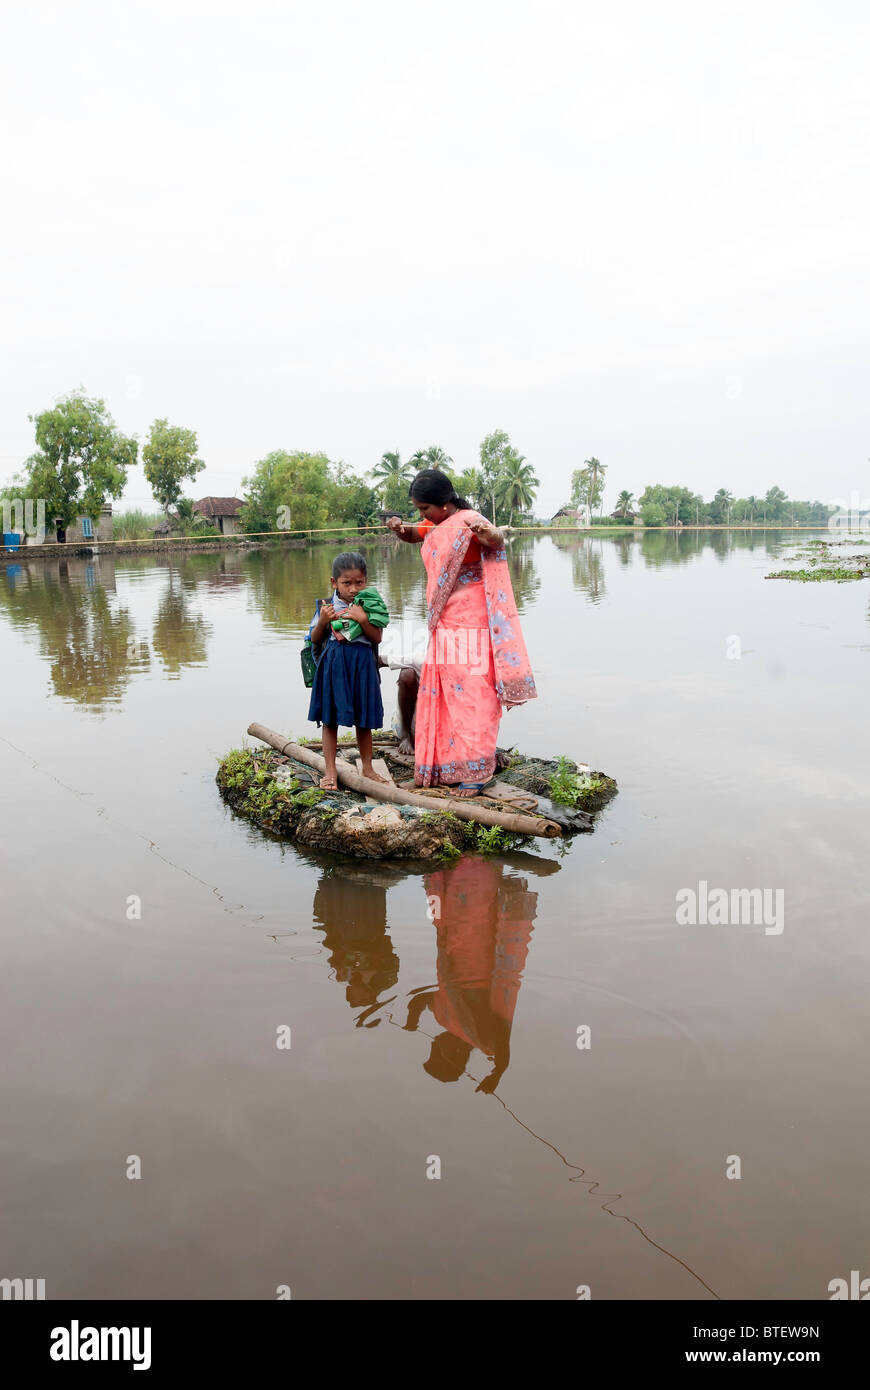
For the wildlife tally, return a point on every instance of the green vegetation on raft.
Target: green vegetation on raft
(569, 786)
(477, 838)
(276, 793)
(250, 782)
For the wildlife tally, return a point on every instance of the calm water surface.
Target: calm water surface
(123, 683)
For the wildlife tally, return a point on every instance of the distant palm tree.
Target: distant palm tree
(433, 457)
(391, 468)
(624, 503)
(517, 486)
(587, 484)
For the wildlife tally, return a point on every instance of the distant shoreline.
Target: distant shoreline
(268, 540)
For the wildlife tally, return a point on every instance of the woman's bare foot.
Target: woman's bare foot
(463, 793)
(329, 782)
(405, 746)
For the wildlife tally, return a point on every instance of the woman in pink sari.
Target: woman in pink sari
(476, 663)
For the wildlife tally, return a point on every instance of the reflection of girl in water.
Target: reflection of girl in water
(352, 913)
(484, 926)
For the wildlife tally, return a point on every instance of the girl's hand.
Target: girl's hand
(355, 612)
(327, 612)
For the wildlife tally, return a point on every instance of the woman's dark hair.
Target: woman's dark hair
(433, 486)
(348, 560)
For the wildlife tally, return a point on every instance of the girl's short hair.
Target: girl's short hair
(348, 560)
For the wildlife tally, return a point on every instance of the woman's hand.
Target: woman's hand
(485, 532)
(395, 524)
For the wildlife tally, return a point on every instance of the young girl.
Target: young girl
(346, 688)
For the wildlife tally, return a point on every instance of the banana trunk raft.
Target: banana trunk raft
(278, 787)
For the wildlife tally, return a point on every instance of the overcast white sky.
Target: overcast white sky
(637, 230)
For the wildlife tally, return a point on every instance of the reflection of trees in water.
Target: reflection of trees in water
(587, 564)
(86, 636)
(657, 549)
(482, 916)
(623, 546)
(285, 584)
(524, 572)
(229, 572)
(402, 579)
(180, 637)
(676, 547)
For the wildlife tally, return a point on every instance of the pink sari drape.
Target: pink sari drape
(476, 661)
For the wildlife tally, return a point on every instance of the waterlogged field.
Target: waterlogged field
(635, 1069)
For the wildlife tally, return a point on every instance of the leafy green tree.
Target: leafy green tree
(395, 500)
(306, 492)
(812, 513)
(670, 504)
(80, 460)
(587, 484)
(469, 484)
(624, 503)
(721, 506)
(350, 498)
(500, 463)
(169, 458)
(287, 484)
(652, 513)
(700, 512)
(776, 503)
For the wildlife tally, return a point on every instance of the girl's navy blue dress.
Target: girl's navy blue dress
(346, 688)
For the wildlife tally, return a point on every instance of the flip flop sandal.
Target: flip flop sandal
(476, 788)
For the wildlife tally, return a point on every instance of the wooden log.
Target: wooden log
(461, 808)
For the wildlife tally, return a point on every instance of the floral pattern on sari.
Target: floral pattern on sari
(476, 662)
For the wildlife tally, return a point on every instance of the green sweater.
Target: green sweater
(375, 610)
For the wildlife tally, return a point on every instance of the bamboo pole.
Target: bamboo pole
(378, 791)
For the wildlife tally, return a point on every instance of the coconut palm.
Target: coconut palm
(517, 486)
(624, 503)
(391, 468)
(587, 484)
(597, 470)
(433, 457)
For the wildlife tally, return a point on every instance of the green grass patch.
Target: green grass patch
(836, 574)
(569, 787)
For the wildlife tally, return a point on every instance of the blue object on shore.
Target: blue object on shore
(11, 540)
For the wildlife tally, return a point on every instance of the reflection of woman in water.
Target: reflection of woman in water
(484, 923)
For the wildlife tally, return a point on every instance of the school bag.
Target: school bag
(311, 654)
